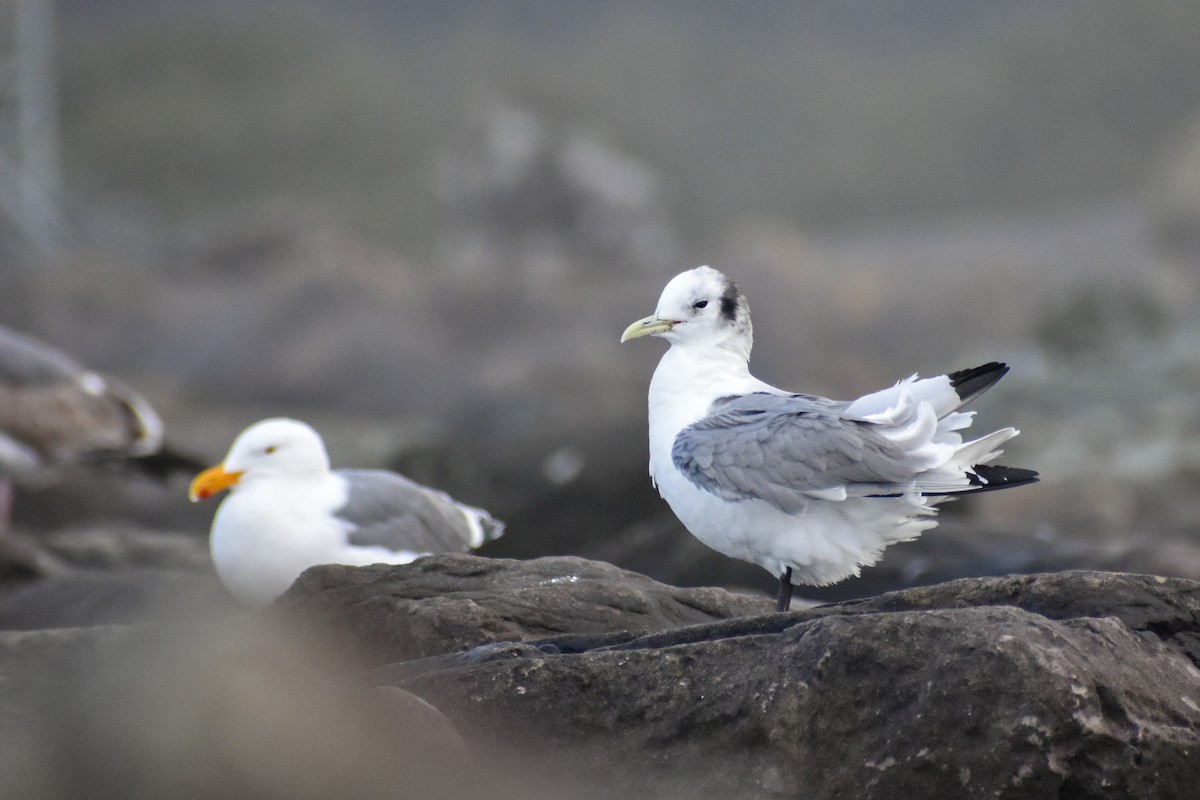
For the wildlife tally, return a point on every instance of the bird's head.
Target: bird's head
(701, 306)
(268, 449)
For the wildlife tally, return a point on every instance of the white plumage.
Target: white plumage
(811, 489)
(287, 511)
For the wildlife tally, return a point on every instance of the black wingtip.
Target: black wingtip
(988, 477)
(977, 380)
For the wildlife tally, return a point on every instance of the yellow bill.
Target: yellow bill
(648, 327)
(211, 481)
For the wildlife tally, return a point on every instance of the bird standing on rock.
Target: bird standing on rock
(809, 488)
(288, 511)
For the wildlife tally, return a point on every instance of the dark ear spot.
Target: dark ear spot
(729, 303)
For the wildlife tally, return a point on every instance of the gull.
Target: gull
(55, 412)
(811, 489)
(287, 511)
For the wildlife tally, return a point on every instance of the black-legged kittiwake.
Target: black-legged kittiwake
(811, 489)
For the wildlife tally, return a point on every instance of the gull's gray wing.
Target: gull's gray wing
(384, 509)
(787, 450)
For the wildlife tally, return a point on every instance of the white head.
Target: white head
(703, 307)
(272, 448)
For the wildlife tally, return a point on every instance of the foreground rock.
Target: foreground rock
(1075, 684)
(86, 598)
(223, 708)
(444, 604)
(566, 678)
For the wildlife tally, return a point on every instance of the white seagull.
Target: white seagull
(288, 511)
(810, 489)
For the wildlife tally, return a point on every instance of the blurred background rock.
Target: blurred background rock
(422, 226)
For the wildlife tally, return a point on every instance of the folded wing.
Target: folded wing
(383, 509)
(789, 450)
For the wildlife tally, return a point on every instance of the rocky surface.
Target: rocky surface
(460, 676)
(1075, 684)
(449, 603)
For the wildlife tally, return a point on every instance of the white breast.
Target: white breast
(266, 533)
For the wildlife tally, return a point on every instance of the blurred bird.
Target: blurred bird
(811, 489)
(54, 412)
(287, 511)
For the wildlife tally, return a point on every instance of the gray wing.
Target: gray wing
(388, 510)
(787, 450)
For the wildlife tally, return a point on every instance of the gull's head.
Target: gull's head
(700, 306)
(273, 448)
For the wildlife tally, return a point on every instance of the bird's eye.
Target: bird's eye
(270, 449)
(699, 304)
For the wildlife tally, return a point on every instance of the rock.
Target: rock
(123, 596)
(407, 713)
(28, 657)
(1075, 684)
(524, 200)
(562, 677)
(447, 603)
(23, 558)
(215, 709)
(124, 546)
(104, 574)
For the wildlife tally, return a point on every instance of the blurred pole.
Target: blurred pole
(30, 172)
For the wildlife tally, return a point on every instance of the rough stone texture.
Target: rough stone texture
(1074, 685)
(448, 603)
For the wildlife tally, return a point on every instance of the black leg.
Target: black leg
(785, 590)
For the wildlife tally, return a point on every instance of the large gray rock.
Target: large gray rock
(1076, 684)
(567, 678)
(447, 603)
